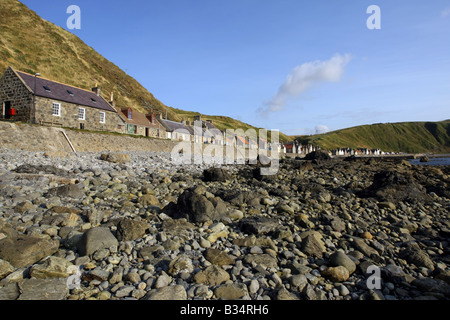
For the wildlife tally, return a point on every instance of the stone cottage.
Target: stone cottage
(176, 130)
(31, 98)
(141, 124)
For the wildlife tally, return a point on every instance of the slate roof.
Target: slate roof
(138, 118)
(172, 126)
(61, 92)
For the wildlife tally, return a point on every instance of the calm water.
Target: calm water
(432, 162)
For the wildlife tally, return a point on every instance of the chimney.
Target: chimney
(159, 116)
(111, 101)
(183, 121)
(197, 118)
(96, 89)
(210, 121)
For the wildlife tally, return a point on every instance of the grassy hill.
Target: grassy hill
(411, 137)
(32, 44)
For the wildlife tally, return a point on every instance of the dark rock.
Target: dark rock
(432, 285)
(196, 207)
(71, 191)
(216, 174)
(318, 155)
(258, 225)
(128, 229)
(313, 246)
(417, 257)
(339, 258)
(40, 169)
(394, 186)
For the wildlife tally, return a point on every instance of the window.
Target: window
(56, 109)
(130, 114)
(93, 100)
(46, 88)
(81, 114)
(70, 92)
(102, 117)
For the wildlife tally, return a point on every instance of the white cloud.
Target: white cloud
(445, 12)
(321, 128)
(304, 77)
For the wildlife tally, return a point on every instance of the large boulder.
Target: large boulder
(67, 191)
(395, 186)
(95, 239)
(216, 174)
(128, 229)
(24, 250)
(196, 207)
(318, 155)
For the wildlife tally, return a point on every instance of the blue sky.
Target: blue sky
(298, 66)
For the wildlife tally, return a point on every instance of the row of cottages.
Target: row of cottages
(295, 147)
(31, 98)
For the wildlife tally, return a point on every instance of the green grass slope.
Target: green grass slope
(31, 44)
(410, 137)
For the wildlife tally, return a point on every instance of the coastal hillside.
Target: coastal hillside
(410, 137)
(31, 44)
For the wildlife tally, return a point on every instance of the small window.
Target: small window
(102, 117)
(93, 100)
(46, 88)
(130, 115)
(81, 114)
(56, 109)
(70, 92)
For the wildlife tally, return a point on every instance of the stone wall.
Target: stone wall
(69, 116)
(27, 137)
(18, 136)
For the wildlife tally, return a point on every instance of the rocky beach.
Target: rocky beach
(134, 226)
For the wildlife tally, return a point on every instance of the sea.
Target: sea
(433, 162)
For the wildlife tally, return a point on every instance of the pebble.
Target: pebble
(317, 239)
